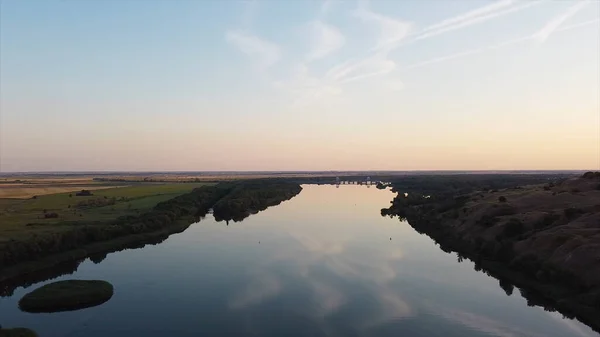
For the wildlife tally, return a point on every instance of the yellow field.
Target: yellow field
(22, 191)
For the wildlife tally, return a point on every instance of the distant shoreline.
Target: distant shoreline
(280, 173)
(542, 237)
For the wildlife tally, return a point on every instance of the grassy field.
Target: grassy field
(27, 187)
(28, 191)
(106, 203)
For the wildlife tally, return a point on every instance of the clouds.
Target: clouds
(544, 33)
(461, 18)
(374, 57)
(327, 6)
(262, 287)
(266, 53)
(540, 36)
(375, 65)
(325, 40)
(390, 31)
(474, 17)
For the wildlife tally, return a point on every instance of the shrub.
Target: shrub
(487, 221)
(83, 193)
(572, 212)
(546, 221)
(591, 175)
(502, 198)
(50, 215)
(502, 210)
(97, 202)
(513, 228)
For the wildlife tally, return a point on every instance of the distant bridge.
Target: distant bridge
(355, 181)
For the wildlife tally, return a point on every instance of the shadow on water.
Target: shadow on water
(55, 270)
(252, 198)
(8, 286)
(239, 217)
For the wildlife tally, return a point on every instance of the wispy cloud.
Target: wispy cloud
(494, 46)
(391, 31)
(266, 53)
(465, 53)
(249, 12)
(473, 20)
(394, 33)
(307, 85)
(307, 88)
(325, 39)
(378, 64)
(578, 25)
(552, 25)
(470, 15)
(326, 7)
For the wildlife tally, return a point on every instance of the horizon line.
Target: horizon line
(291, 171)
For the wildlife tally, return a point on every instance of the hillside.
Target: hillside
(545, 237)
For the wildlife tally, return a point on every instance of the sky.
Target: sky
(207, 85)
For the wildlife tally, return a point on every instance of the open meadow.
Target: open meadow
(22, 209)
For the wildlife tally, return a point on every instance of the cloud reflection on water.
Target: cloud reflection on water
(261, 287)
(318, 256)
(484, 324)
(348, 276)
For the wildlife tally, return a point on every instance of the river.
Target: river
(324, 263)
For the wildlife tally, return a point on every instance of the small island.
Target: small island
(17, 332)
(66, 296)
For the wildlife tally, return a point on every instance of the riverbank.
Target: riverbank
(46, 268)
(64, 241)
(543, 238)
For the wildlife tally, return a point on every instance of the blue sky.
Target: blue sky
(299, 85)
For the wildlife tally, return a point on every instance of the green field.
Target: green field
(105, 204)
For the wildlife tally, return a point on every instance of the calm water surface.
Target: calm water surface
(322, 264)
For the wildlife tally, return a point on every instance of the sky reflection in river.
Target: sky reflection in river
(321, 264)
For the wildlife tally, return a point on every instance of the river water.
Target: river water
(324, 263)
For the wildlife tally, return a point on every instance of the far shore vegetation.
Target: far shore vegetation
(42, 226)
